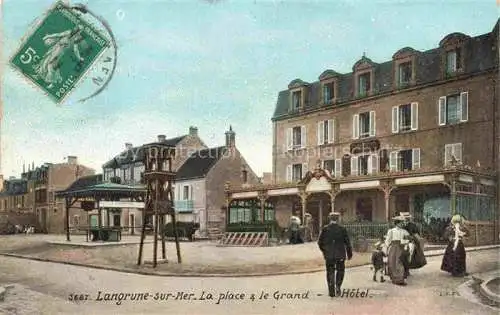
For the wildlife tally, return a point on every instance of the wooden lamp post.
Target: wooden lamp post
(159, 178)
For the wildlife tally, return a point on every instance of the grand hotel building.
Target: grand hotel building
(418, 133)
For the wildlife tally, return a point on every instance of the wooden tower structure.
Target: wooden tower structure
(159, 178)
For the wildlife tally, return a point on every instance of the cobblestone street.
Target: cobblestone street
(429, 291)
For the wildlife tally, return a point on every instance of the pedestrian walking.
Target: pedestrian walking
(454, 259)
(294, 227)
(335, 245)
(378, 264)
(416, 256)
(397, 240)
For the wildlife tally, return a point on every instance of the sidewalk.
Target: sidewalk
(16, 299)
(489, 286)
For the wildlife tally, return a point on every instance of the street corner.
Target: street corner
(57, 54)
(490, 289)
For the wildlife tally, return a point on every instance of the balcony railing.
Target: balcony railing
(184, 205)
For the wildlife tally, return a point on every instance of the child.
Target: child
(378, 263)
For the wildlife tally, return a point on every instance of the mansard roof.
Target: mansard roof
(453, 38)
(405, 51)
(427, 70)
(297, 83)
(363, 62)
(135, 154)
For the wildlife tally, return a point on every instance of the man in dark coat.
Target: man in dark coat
(335, 245)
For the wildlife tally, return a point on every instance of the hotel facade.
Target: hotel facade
(418, 133)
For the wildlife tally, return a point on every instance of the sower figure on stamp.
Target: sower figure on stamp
(397, 240)
(335, 245)
(59, 43)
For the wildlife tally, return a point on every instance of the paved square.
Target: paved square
(58, 53)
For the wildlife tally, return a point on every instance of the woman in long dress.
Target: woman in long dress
(396, 242)
(416, 256)
(454, 259)
(48, 68)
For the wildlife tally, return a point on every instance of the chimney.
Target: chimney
(193, 131)
(72, 159)
(128, 146)
(230, 138)
(162, 138)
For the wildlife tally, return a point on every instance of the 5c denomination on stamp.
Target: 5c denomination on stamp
(59, 51)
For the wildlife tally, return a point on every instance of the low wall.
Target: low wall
(481, 233)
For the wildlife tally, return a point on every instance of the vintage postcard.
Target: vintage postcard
(208, 157)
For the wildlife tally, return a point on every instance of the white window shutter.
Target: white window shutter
(369, 164)
(447, 153)
(464, 101)
(415, 159)
(355, 126)
(304, 169)
(442, 110)
(289, 138)
(191, 192)
(354, 165)
(303, 136)
(323, 164)
(375, 166)
(289, 173)
(457, 152)
(393, 161)
(372, 123)
(338, 168)
(414, 116)
(331, 131)
(321, 131)
(395, 119)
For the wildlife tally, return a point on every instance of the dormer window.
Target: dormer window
(364, 84)
(328, 92)
(404, 61)
(296, 100)
(405, 73)
(329, 82)
(452, 52)
(453, 61)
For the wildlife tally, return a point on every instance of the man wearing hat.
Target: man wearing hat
(335, 245)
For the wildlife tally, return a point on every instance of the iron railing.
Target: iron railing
(368, 230)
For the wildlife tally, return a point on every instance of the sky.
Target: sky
(209, 64)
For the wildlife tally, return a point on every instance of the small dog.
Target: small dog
(379, 262)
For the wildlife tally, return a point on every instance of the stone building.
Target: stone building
(43, 182)
(128, 166)
(418, 133)
(199, 185)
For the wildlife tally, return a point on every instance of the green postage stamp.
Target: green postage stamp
(59, 51)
